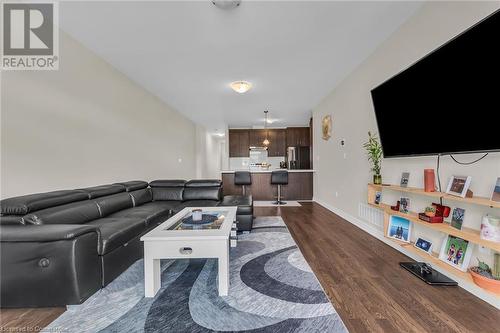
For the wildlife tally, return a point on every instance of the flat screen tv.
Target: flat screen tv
(448, 102)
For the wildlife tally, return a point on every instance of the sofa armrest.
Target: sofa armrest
(43, 233)
(48, 265)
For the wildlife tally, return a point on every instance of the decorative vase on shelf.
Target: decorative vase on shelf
(377, 179)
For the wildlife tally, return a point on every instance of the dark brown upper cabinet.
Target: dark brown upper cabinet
(298, 136)
(239, 143)
(277, 145)
(257, 136)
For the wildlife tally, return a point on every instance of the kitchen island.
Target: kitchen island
(300, 185)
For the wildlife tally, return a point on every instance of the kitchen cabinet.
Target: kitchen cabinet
(277, 145)
(257, 136)
(239, 143)
(298, 136)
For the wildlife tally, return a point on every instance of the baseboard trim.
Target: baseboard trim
(467, 285)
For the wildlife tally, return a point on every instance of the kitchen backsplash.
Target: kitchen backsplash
(242, 163)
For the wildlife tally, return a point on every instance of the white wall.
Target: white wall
(86, 124)
(353, 116)
(210, 154)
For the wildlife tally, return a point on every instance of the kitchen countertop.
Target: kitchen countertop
(270, 170)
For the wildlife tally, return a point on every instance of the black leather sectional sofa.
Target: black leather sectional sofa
(60, 247)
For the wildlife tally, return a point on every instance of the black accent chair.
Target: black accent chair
(60, 247)
(279, 177)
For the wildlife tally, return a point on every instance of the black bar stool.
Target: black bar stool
(242, 178)
(279, 177)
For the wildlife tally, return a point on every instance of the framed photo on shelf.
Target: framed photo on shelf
(405, 177)
(456, 252)
(496, 191)
(490, 228)
(399, 228)
(457, 218)
(404, 206)
(423, 245)
(459, 185)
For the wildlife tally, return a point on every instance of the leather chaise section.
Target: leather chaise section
(244, 203)
(153, 213)
(32, 202)
(73, 213)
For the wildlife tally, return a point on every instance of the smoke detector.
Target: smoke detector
(226, 4)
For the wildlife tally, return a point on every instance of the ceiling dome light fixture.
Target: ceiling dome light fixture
(226, 4)
(241, 86)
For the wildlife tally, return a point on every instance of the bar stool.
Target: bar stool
(242, 178)
(279, 177)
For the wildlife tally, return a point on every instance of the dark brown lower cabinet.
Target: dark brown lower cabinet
(300, 186)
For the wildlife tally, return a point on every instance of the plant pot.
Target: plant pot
(485, 283)
(377, 179)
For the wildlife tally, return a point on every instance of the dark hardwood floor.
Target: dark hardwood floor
(371, 292)
(360, 275)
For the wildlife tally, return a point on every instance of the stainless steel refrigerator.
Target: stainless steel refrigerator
(298, 157)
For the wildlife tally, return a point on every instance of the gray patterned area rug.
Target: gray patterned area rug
(272, 289)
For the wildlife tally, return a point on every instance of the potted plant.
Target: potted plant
(430, 211)
(374, 152)
(484, 277)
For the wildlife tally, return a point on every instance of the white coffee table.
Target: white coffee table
(186, 241)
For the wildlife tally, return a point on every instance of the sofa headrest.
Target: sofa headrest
(167, 183)
(102, 190)
(204, 183)
(202, 193)
(32, 202)
(73, 213)
(133, 185)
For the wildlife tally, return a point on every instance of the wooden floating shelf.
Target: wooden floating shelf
(471, 235)
(439, 195)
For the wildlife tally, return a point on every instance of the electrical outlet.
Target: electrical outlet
(179, 160)
(345, 156)
(336, 194)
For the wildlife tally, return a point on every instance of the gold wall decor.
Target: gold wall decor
(326, 127)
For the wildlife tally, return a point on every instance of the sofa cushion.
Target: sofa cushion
(165, 205)
(73, 213)
(133, 185)
(152, 214)
(102, 190)
(167, 193)
(167, 183)
(202, 193)
(29, 203)
(141, 197)
(113, 203)
(115, 232)
(204, 183)
(244, 203)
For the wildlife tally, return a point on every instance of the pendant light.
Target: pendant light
(266, 140)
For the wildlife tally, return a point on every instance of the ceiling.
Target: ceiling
(187, 53)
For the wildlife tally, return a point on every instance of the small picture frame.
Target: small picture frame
(456, 252)
(457, 218)
(459, 185)
(399, 228)
(496, 191)
(404, 206)
(378, 197)
(405, 177)
(423, 245)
